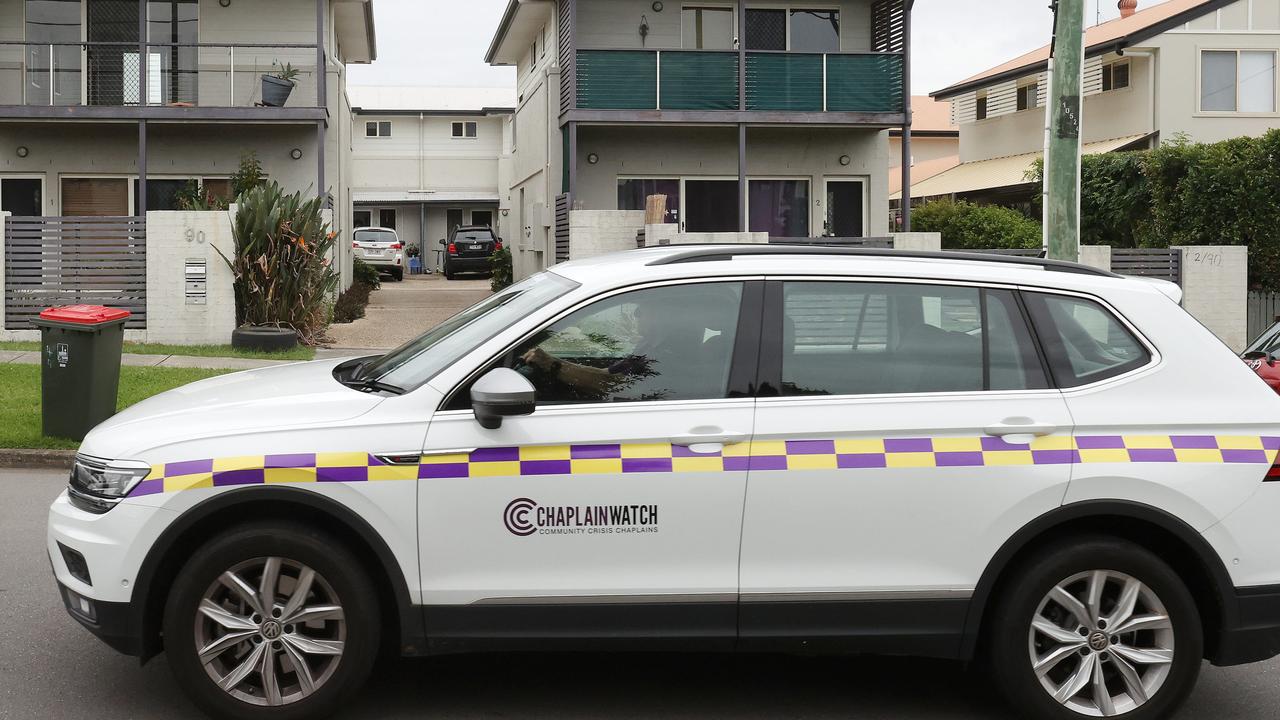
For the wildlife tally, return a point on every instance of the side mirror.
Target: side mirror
(443, 241)
(501, 393)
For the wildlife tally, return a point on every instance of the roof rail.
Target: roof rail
(711, 253)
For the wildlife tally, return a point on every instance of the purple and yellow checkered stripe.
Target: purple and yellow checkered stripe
(627, 458)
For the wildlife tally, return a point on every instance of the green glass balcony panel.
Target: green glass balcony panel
(617, 79)
(864, 83)
(784, 81)
(699, 80)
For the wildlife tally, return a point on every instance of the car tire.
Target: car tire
(1033, 620)
(204, 610)
(449, 274)
(398, 274)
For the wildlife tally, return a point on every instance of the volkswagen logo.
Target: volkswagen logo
(271, 630)
(1099, 642)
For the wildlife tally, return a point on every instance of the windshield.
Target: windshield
(464, 235)
(418, 360)
(375, 236)
(1267, 342)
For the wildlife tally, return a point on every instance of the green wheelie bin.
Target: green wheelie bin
(80, 348)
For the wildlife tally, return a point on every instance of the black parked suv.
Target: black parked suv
(468, 250)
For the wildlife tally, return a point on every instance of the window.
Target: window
(452, 220)
(377, 129)
(816, 31)
(543, 36)
(1115, 76)
(981, 108)
(464, 129)
(779, 207)
(1028, 96)
(174, 21)
(387, 218)
(533, 54)
(22, 197)
(163, 193)
(49, 22)
(482, 218)
(848, 338)
(362, 218)
(707, 28)
(798, 30)
(634, 192)
(1084, 342)
(1238, 81)
(667, 343)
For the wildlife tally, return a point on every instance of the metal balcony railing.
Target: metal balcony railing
(708, 80)
(177, 75)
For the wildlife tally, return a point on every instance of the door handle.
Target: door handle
(708, 442)
(1020, 429)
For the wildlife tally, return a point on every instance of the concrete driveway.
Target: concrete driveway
(401, 311)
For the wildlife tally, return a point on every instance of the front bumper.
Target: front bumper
(116, 624)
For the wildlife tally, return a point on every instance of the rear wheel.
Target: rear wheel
(449, 274)
(271, 622)
(1095, 628)
(398, 274)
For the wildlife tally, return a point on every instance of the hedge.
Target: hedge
(966, 226)
(1183, 193)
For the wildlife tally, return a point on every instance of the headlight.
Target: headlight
(97, 485)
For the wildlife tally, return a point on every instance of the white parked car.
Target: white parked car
(757, 448)
(381, 248)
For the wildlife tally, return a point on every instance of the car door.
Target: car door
(912, 432)
(615, 508)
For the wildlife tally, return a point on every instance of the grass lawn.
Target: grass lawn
(20, 388)
(298, 353)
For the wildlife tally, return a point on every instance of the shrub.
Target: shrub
(502, 272)
(966, 226)
(351, 303)
(283, 275)
(249, 176)
(194, 197)
(362, 273)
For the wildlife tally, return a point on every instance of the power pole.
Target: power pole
(1062, 151)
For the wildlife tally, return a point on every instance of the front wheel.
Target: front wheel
(1098, 627)
(270, 621)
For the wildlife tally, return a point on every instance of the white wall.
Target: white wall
(1215, 286)
(173, 238)
(422, 153)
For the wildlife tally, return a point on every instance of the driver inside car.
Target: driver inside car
(677, 343)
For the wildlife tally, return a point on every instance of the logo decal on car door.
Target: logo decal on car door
(524, 517)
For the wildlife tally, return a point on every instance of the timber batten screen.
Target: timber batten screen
(51, 261)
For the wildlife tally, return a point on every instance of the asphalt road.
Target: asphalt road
(52, 668)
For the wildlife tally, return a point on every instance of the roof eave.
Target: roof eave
(1098, 49)
(504, 25)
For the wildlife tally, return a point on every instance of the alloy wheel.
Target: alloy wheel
(1101, 643)
(270, 631)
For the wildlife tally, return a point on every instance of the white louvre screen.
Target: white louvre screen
(1002, 99)
(1093, 75)
(964, 109)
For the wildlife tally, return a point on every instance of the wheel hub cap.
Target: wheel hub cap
(1101, 643)
(270, 631)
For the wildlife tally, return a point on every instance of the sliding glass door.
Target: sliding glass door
(778, 207)
(53, 69)
(710, 205)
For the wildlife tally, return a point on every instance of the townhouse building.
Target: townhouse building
(769, 118)
(1200, 69)
(109, 107)
(426, 160)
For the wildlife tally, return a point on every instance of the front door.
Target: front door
(914, 432)
(845, 205)
(710, 205)
(616, 507)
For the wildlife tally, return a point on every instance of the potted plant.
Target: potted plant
(278, 84)
(284, 278)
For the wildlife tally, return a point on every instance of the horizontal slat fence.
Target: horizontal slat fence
(1161, 263)
(51, 261)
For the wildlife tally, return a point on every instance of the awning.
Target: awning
(424, 196)
(998, 172)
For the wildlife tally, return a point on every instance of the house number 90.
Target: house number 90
(194, 235)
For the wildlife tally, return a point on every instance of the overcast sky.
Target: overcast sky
(434, 42)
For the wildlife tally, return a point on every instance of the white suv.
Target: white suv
(756, 448)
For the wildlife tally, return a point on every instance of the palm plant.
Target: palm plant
(282, 265)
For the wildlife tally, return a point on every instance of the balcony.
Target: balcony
(864, 83)
(183, 81)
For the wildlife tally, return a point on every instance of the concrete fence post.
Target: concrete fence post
(918, 241)
(190, 289)
(1215, 287)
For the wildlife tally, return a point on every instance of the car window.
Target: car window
(1083, 341)
(666, 343)
(1267, 342)
(412, 364)
(372, 236)
(472, 235)
(849, 338)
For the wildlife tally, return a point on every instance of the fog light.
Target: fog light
(80, 605)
